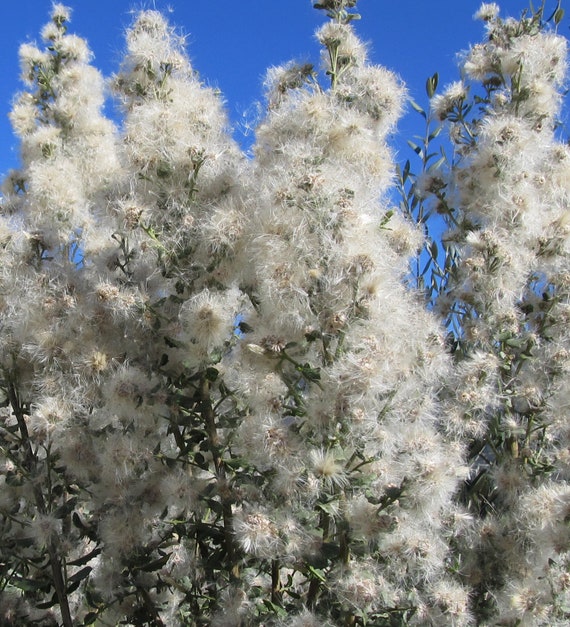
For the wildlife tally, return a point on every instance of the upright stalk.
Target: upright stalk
(208, 414)
(30, 464)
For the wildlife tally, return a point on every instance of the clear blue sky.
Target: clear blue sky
(232, 42)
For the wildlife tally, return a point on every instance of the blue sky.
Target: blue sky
(231, 43)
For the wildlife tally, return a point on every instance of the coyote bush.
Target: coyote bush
(220, 403)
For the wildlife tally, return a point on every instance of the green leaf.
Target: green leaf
(236, 463)
(435, 133)
(47, 604)
(13, 479)
(433, 249)
(386, 218)
(215, 506)
(172, 343)
(417, 108)
(313, 335)
(431, 85)
(211, 374)
(330, 508)
(316, 573)
(86, 530)
(156, 564)
(273, 607)
(185, 402)
(27, 585)
(63, 510)
(437, 164)
(558, 15)
(244, 327)
(163, 170)
(310, 373)
(80, 574)
(416, 148)
(200, 461)
(85, 558)
(425, 269)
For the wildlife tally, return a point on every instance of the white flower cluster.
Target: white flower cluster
(508, 293)
(353, 359)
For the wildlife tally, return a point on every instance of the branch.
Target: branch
(208, 414)
(30, 465)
